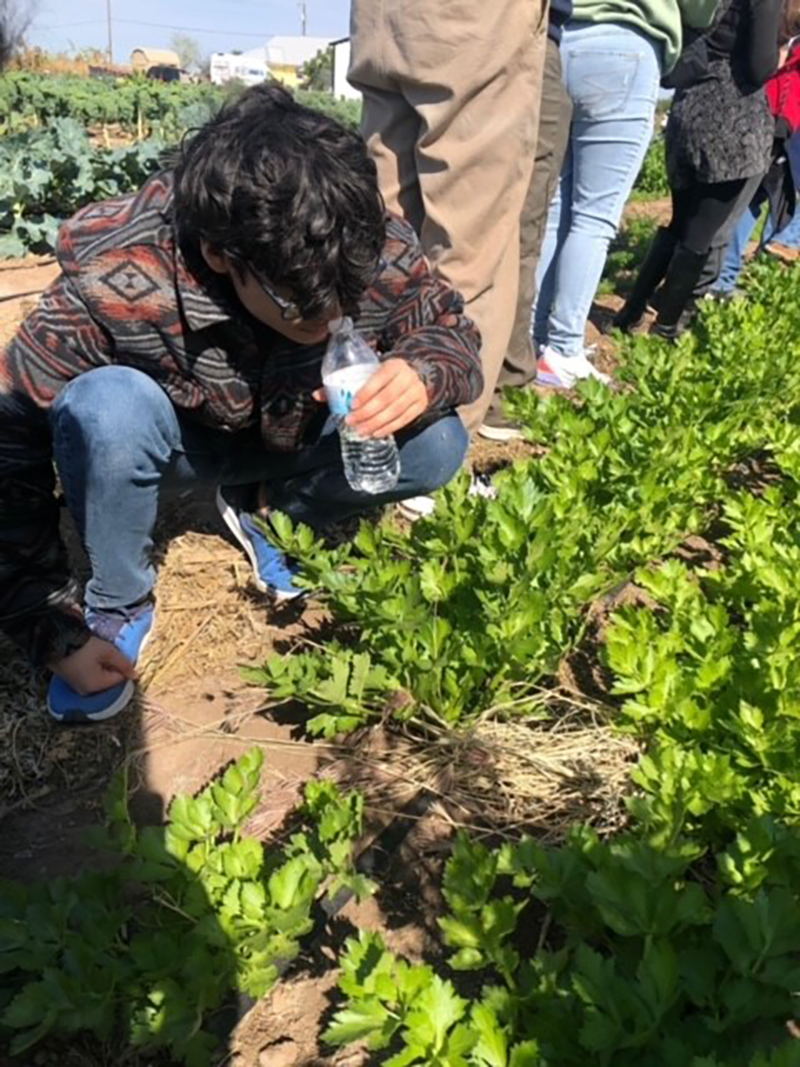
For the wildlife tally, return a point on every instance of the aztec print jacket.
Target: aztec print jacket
(128, 294)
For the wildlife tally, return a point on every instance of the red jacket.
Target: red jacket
(783, 91)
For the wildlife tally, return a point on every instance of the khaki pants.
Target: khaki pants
(451, 112)
(519, 366)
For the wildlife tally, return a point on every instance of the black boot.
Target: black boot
(650, 276)
(676, 304)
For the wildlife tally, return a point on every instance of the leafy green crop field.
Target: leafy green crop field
(49, 165)
(675, 942)
(140, 106)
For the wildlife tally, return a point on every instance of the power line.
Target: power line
(193, 29)
(155, 26)
(166, 26)
(70, 25)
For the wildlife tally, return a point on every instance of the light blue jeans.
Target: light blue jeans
(734, 257)
(612, 73)
(119, 443)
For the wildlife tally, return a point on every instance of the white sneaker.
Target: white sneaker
(508, 432)
(417, 507)
(481, 485)
(420, 507)
(563, 372)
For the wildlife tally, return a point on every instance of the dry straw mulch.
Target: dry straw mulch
(37, 755)
(209, 617)
(535, 774)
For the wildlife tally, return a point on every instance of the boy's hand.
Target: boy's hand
(96, 666)
(393, 398)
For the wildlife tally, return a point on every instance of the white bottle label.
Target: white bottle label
(342, 386)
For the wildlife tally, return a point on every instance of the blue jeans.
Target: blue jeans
(612, 74)
(734, 257)
(119, 443)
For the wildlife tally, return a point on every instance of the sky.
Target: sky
(67, 25)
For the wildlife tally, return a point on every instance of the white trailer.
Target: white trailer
(246, 68)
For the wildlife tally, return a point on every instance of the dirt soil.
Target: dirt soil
(192, 716)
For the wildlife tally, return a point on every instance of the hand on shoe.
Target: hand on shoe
(96, 666)
(392, 399)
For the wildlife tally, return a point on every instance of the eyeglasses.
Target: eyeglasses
(290, 312)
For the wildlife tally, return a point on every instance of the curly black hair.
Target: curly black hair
(287, 192)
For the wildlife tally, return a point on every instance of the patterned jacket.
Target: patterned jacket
(128, 294)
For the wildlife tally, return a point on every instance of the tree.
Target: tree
(317, 73)
(189, 51)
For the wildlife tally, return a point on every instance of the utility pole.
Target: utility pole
(303, 15)
(110, 39)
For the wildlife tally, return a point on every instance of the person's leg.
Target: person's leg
(789, 237)
(612, 74)
(683, 202)
(559, 221)
(708, 208)
(390, 126)
(311, 487)
(474, 81)
(656, 263)
(391, 129)
(519, 365)
(737, 248)
(651, 274)
(119, 443)
(724, 236)
(114, 433)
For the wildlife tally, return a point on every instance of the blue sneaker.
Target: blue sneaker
(129, 630)
(273, 571)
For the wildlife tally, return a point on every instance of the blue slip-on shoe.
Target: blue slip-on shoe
(129, 630)
(273, 571)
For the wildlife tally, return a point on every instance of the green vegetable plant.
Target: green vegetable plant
(144, 953)
(639, 963)
(138, 106)
(675, 943)
(47, 175)
(652, 182)
(470, 612)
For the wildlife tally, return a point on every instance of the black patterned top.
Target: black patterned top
(721, 129)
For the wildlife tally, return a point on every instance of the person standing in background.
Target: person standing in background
(614, 54)
(719, 141)
(519, 366)
(780, 238)
(451, 110)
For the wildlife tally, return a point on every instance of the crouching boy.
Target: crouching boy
(180, 347)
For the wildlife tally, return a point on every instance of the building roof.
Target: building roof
(294, 51)
(154, 57)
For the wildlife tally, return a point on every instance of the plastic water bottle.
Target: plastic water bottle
(371, 464)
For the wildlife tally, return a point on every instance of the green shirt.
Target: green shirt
(660, 19)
